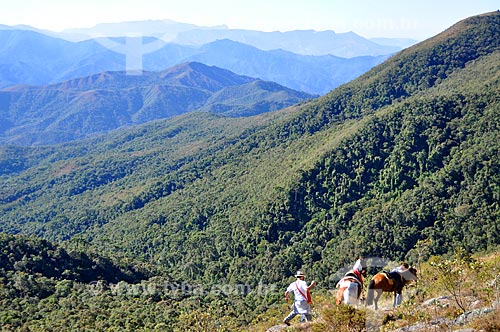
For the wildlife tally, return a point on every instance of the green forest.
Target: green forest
(146, 225)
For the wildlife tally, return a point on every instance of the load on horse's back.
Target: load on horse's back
(393, 281)
(351, 285)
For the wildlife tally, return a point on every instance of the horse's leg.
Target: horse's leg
(369, 293)
(378, 293)
(351, 294)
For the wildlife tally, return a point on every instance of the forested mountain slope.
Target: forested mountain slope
(23, 256)
(408, 151)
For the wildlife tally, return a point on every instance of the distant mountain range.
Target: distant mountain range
(312, 74)
(305, 42)
(397, 42)
(28, 57)
(31, 115)
(166, 30)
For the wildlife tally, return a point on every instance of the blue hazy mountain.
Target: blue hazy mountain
(31, 115)
(313, 74)
(166, 30)
(305, 42)
(397, 42)
(28, 57)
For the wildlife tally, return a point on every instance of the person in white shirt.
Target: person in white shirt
(360, 265)
(302, 299)
(395, 274)
(400, 269)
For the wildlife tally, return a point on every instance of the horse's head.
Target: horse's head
(410, 274)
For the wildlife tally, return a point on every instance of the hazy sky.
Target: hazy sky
(418, 19)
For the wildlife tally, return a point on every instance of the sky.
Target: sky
(417, 19)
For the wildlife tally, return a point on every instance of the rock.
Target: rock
(471, 315)
(277, 328)
(282, 327)
(421, 327)
(477, 304)
(443, 301)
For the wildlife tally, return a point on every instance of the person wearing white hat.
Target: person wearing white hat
(351, 285)
(302, 298)
(360, 265)
(396, 276)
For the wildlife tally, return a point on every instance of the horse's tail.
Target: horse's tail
(369, 293)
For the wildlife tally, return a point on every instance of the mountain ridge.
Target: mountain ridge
(305, 42)
(77, 108)
(67, 60)
(305, 73)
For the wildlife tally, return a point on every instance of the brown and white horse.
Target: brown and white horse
(389, 282)
(349, 288)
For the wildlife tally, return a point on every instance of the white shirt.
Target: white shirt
(399, 270)
(293, 288)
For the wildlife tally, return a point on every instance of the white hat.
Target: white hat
(299, 274)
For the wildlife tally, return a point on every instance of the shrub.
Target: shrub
(458, 276)
(341, 318)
